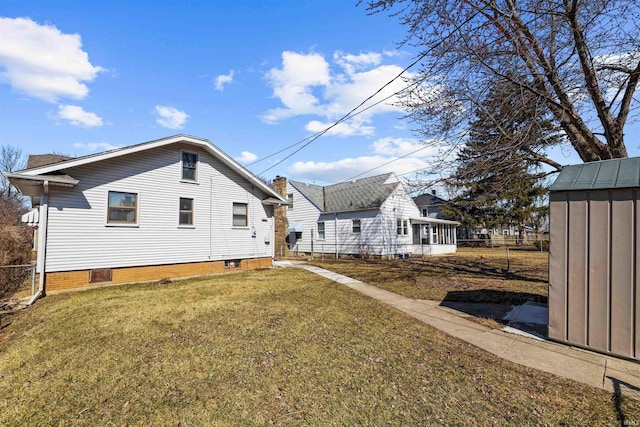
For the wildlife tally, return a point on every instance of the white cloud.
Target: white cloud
(346, 168)
(170, 117)
(77, 116)
(306, 84)
(406, 147)
(293, 84)
(246, 157)
(351, 63)
(224, 79)
(43, 62)
(95, 146)
(346, 128)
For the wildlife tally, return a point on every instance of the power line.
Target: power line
(349, 114)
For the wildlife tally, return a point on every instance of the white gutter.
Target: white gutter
(42, 241)
(335, 228)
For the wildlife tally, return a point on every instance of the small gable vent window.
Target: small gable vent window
(189, 166)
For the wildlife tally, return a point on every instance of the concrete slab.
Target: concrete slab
(529, 312)
(597, 370)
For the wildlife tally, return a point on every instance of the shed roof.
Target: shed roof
(605, 174)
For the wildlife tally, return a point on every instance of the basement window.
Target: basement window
(232, 263)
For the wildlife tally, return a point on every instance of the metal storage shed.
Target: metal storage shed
(594, 283)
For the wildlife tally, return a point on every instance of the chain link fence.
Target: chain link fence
(513, 256)
(17, 279)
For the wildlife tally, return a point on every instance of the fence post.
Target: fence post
(33, 279)
(508, 261)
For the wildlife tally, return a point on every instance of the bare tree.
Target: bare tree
(11, 160)
(581, 58)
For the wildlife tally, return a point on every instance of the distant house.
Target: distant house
(430, 205)
(172, 207)
(371, 216)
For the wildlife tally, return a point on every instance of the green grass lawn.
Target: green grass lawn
(275, 347)
(470, 275)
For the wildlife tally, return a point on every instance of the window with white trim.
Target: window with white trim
(122, 208)
(403, 227)
(186, 212)
(290, 200)
(355, 226)
(189, 166)
(240, 215)
(321, 230)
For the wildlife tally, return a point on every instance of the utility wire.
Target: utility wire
(349, 114)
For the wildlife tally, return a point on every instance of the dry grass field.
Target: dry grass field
(470, 275)
(275, 347)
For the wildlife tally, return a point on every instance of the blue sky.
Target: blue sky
(252, 77)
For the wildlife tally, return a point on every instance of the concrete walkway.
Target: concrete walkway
(597, 370)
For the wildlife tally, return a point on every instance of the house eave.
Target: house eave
(30, 185)
(181, 138)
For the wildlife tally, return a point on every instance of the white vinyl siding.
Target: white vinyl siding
(78, 238)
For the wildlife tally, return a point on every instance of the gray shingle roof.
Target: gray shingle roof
(37, 160)
(427, 199)
(616, 173)
(363, 194)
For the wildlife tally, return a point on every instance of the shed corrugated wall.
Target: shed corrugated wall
(594, 298)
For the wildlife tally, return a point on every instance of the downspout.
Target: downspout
(335, 228)
(42, 241)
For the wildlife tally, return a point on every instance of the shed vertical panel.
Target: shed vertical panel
(636, 273)
(558, 207)
(622, 265)
(598, 278)
(577, 269)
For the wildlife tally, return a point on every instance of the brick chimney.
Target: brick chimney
(281, 224)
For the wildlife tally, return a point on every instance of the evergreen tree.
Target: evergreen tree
(498, 172)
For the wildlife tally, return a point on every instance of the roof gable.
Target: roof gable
(48, 169)
(363, 194)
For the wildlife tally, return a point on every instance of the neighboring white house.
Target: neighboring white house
(370, 216)
(176, 206)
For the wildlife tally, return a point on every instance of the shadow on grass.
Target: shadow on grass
(617, 399)
(493, 297)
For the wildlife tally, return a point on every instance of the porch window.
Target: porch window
(122, 208)
(403, 227)
(186, 211)
(355, 226)
(240, 215)
(189, 166)
(321, 230)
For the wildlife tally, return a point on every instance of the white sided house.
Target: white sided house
(173, 207)
(372, 216)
